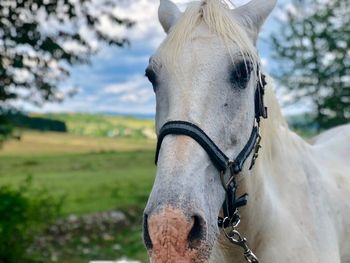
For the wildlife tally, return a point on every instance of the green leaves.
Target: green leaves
(24, 211)
(312, 48)
(34, 40)
(5, 126)
(38, 35)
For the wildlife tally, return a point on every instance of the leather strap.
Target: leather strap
(247, 150)
(219, 159)
(260, 109)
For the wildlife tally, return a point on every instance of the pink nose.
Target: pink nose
(174, 237)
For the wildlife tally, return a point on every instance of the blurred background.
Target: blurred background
(76, 114)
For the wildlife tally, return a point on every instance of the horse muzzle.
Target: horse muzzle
(173, 235)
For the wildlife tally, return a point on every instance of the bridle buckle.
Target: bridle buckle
(229, 167)
(256, 151)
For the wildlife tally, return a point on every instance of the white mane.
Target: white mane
(216, 15)
(274, 130)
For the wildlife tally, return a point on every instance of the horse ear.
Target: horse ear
(168, 13)
(254, 13)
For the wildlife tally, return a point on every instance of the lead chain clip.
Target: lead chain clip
(235, 237)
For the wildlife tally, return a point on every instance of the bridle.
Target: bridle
(224, 164)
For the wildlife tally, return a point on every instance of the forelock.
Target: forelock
(220, 21)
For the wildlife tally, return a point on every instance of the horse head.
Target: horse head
(205, 73)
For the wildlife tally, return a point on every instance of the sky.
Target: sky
(114, 82)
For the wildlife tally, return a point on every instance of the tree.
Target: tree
(25, 211)
(41, 39)
(5, 127)
(312, 49)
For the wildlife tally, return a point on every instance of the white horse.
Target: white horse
(206, 73)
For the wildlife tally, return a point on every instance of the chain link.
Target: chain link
(236, 238)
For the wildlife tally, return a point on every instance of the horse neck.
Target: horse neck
(280, 148)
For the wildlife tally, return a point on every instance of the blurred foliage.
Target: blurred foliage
(105, 125)
(81, 239)
(303, 125)
(41, 39)
(5, 126)
(22, 214)
(312, 48)
(20, 120)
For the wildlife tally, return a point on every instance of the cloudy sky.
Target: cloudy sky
(115, 82)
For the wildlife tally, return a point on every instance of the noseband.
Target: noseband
(224, 164)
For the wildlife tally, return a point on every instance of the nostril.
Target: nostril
(196, 234)
(146, 237)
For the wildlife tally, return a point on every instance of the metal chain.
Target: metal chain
(236, 238)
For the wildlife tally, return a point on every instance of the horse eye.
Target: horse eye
(240, 74)
(152, 77)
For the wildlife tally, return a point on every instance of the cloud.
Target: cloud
(114, 81)
(135, 90)
(147, 27)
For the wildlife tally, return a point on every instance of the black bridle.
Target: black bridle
(219, 159)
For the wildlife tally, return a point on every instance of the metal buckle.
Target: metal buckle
(222, 176)
(256, 151)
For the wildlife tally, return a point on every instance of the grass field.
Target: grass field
(93, 173)
(103, 163)
(49, 143)
(90, 182)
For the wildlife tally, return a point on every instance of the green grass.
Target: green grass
(90, 182)
(93, 174)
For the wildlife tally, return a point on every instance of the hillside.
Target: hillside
(104, 125)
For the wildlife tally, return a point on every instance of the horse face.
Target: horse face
(197, 78)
